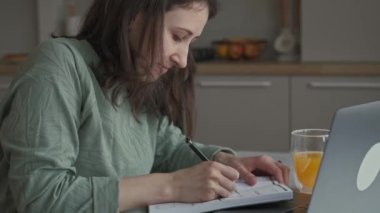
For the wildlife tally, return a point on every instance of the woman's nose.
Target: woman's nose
(180, 57)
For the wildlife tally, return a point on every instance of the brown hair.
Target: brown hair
(106, 29)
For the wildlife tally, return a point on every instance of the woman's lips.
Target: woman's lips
(164, 69)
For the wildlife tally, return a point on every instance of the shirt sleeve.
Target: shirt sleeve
(173, 153)
(39, 138)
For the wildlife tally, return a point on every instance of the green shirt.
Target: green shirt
(64, 147)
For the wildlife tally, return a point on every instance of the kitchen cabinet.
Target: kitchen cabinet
(314, 99)
(258, 112)
(243, 112)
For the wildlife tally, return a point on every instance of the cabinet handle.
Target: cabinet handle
(255, 84)
(344, 85)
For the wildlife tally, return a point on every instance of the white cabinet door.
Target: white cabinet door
(243, 112)
(314, 100)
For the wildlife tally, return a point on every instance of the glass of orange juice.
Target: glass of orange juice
(307, 150)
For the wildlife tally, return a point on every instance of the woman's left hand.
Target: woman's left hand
(261, 165)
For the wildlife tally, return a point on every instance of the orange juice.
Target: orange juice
(307, 166)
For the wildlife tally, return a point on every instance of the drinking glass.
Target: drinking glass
(307, 150)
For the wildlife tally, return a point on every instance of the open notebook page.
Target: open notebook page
(264, 191)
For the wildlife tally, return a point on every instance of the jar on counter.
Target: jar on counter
(239, 49)
(253, 49)
(221, 48)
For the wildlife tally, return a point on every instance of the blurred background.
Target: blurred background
(265, 67)
(342, 30)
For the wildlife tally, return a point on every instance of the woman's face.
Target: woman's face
(182, 26)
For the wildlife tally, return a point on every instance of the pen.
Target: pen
(196, 150)
(199, 153)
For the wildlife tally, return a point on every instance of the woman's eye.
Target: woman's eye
(177, 38)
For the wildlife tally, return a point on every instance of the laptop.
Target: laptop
(349, 176)
(349, 179)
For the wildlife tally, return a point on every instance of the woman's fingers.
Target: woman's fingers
(270, 166)
(210, 180)
(229, 172)
(246, 175)
(248, 167)
(220, 180)
(265, 165)
(285, 171)
(227, 184)
(226, 179)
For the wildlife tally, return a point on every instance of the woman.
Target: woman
(98, 122)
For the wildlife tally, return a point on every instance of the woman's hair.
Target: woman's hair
(106, 28)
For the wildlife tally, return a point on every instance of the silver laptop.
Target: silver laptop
(349, 178)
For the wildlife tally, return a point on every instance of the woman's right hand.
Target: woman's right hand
(203, 182)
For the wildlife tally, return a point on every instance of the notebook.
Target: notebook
(265, 190)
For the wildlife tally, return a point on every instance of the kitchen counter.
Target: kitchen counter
(278, 68)
(263, 68)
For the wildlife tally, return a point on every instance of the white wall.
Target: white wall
(18, 24)
(254, 18)
(22, 27)
(341, 30)
(52, 16)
